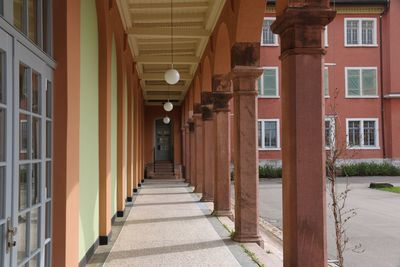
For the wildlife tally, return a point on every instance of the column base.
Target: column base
(139, 185)
(120, 213)
(248, 239)
(142, 181)
(129, 199)
(104, 240)
(223, 213)
(206, 199)
(135, 190)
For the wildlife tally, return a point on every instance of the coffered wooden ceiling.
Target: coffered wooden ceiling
(148, 24)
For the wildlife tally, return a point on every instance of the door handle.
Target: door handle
(11, 232)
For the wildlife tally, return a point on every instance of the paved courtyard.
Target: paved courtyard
(376, 225)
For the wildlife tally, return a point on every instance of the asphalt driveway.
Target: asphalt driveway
(376, 226)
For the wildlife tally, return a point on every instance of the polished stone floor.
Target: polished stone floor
(168, 226)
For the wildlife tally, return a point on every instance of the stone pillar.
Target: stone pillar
(303, 149)
(199, 172)
(192, 150)
(222, 181)
(208, 147)
(246, 153)
(187, 153)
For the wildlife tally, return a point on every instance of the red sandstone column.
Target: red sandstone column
(222, 136)
(199, 173)
(246, 153)
(187, 153)
(304, 203)
(208, 147)
(192, 149)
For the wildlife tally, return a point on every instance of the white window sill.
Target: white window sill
(364, 148)
(271, 45)
(361, 97)
(361, 45)
(327, 96)
(273, 97)
(269, 149)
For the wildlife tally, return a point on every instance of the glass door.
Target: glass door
(163, 141)
(32, 160)
(6, 227)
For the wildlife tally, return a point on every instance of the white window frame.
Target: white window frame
(375, 37)
(333, 130)
(277, 82)
(326, 36)
(346, 69)
(278, 135)
(326, 69)
(276, 37)
(361, 120)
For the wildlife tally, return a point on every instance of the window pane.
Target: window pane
(46, 26)
(48, 139)
(35, 194)
(21, 239)
(48, 179)
(24, 122)
(270, 82)
(23, 88)
(23, 186)
(259, 134)
(259, 86)
(367, 28)
(36, 138)
(2, 230)
(369, 133)
(34, 230)
(34, 262)
(270, 134)
(36, 92)
(2, 193)
(328, 132)
(48, 221)
(18, 7)
(326, 82)
(354, 133)
(33, 20)
(369, 83)
(47, 257)
(267, 34)
(353, 82)
(3, 143)
(2, 77)
(49, 99)
(352, 31)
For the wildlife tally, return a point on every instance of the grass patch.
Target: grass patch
(395, 189)
(231, 232)
(252, 256)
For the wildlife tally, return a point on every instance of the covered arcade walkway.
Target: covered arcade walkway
(180, 231)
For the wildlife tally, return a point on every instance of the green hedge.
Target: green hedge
(370, 169)
(356, 169)
(270, 172)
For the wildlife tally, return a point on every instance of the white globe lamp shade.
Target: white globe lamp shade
(166, 120)
(172, 76)
(168, 106)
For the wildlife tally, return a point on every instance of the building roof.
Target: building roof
(348, 2)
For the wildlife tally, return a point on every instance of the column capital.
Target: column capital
(221, 83)
(190, 124)
(244, 78)
(300, 29)
(221, 101)
(207, 106)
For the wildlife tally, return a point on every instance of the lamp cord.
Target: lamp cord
(172, 36)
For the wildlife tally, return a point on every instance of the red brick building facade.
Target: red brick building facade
(361, 85)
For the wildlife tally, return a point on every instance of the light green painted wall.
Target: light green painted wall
(114, 86)
(89, 130)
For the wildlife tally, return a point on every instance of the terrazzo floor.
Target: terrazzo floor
(168, 226)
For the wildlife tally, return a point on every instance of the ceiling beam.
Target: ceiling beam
(145, 59)
(167, 6)
(160, 76)
(166, 17)
(166, 32)
(164, 88)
